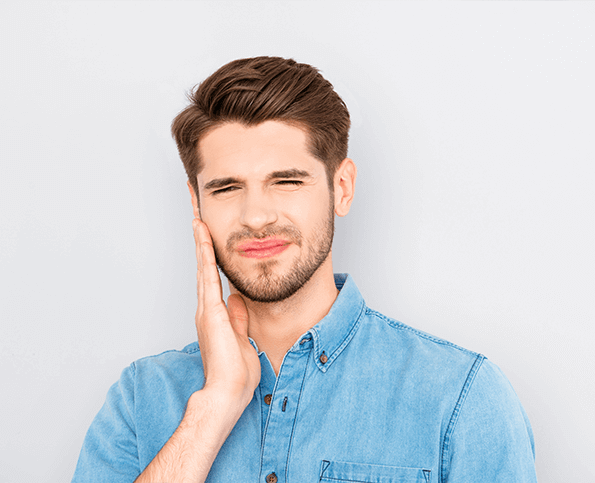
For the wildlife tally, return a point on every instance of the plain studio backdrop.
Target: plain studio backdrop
(473, 131)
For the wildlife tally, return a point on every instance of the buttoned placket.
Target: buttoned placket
(279, 409)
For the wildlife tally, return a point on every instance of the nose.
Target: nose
(258, 211)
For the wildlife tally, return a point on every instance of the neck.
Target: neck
(275, 327)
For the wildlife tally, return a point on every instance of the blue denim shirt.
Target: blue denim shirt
(359, 398)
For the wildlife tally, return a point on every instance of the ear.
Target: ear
(195, 207)
(344, 183)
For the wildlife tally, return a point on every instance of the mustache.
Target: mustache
(289, 232)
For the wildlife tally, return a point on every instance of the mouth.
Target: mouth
(267, 247)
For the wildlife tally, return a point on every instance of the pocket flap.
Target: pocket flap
(337, 471)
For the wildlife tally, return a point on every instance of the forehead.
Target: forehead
(234, 149)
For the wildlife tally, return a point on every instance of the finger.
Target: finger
(199, 280)
(213, 293)
(195, 230)
(199, 272)
(238, 314)
(195, 223)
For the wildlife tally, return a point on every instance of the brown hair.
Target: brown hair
(254, 90)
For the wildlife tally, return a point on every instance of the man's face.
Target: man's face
(268, 207)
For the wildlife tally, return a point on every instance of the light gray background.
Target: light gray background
(473, 128)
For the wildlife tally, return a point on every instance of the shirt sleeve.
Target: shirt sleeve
(489, 438)
(109, 451)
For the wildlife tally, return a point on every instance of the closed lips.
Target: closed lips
(263, 248)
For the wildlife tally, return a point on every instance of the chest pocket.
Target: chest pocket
(336, 472)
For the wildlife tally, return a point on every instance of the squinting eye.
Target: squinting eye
(225, 190)
(290, 181)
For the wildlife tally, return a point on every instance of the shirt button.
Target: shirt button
(271, 478)
(267, 400)
(323, 358)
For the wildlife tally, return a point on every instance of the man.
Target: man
(295, 380)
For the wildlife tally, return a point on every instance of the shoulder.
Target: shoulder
(485, 376)
(168, 369)
(169, 357)
(421, 346)
(432, 371)
(441, 358)
(484, 421)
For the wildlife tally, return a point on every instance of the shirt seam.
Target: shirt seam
(133, 374)
(400, 326)
(456, 412)
(133, 411)
(169, 351)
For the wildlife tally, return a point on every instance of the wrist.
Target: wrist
(228, 395)
(223, 407)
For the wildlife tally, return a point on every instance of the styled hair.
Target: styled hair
(254, 90)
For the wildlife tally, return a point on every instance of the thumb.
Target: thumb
(238, 314)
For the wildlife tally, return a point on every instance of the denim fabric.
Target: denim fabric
(359, 398)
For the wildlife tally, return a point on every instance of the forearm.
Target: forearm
(232, 371)
(189, 454)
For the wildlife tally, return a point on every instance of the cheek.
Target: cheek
(216, 213)
(310, 210)
(218, 225)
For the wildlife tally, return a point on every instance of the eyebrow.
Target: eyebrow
(289, 173)
(284, 174)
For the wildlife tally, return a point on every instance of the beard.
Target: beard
(267, 286)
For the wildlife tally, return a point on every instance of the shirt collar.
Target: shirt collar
(332, 334)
